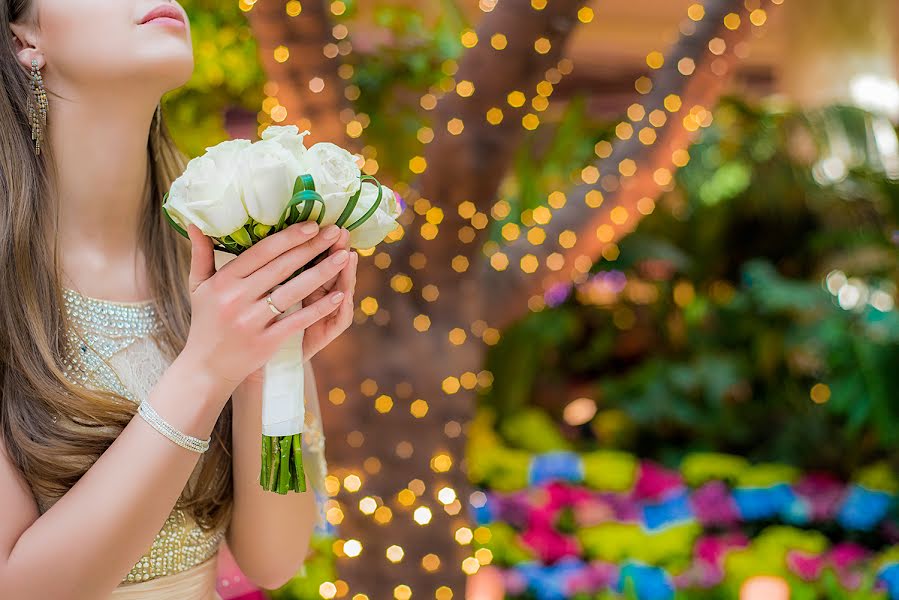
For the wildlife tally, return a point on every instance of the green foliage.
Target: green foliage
(392, 78)
(227, 74)
(732, 312)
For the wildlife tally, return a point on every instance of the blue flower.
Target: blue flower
(561, 465)
(889, 575)
(862, 508)
(764, 503)
(550, 582)
(650, 583)
(671, 511)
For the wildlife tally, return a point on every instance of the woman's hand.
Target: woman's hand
(233, 332)
(325, 330)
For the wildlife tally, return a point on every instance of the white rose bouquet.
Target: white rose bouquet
(238, 193)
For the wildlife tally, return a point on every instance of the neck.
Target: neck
(99, 147)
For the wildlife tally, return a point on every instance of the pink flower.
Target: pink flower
(713, 505)
(712, 549)
(655, 483)
(823, 492)
(561, 495)
(807, 566)
(846, 554)
(550, 545)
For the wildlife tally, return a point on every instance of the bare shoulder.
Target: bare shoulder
(16, 504)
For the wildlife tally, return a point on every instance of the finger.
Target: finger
(303, 318)
(346, 284)
(202, 258)
(308, 281)
(271, 247)
(343, 242)
(344, 317)
(283, 266)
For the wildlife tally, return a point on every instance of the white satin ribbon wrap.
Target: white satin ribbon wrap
(283, 406)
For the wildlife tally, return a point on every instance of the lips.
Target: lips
(164, 11)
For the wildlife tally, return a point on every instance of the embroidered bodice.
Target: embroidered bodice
(110, 346)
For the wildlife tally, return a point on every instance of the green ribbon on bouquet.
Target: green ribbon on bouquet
(303, 194)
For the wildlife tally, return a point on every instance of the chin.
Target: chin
(172, 70)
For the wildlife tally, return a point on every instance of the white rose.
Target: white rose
(208, 193)
(288, 136)
(374, 229)
(336, 177)
(268, 172)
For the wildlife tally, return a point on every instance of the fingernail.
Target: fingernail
(339, 257)
(331, 232)
(336, 298)
(309, 227)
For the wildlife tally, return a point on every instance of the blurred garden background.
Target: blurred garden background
(635, 334)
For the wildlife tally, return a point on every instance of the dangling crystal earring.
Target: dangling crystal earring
(37, 107)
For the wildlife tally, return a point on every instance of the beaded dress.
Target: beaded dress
(110, 345)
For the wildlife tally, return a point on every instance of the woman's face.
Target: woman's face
(111, 43)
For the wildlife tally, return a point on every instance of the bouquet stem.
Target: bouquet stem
(282, 464)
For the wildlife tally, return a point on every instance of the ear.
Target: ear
(25, 40)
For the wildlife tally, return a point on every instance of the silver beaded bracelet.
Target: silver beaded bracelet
(163, 427)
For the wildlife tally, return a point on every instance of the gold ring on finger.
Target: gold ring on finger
(272, 306)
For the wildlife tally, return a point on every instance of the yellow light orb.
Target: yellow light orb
(402, 592)
(352, 483)
(395, 554)
(327, 590)
(294, 8)
(655, 60)
(352, 548)
(470, 565)
(516, 99)
(367, 505)
(820, 393)
(430, 562)
(495, 116)
(441, 463)
(282, 53)
(463, 536)
(446, 495)
(383, 515)
(406, 497)
(422, 515)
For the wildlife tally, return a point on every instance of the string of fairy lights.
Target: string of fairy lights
(642, 122)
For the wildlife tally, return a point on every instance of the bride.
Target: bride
(106, 308)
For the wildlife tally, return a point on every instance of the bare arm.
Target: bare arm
(92, 536)
(269, 533)
(84, 545)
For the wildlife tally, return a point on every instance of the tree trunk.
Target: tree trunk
(596, 227)
(304, 36)
(409, 365)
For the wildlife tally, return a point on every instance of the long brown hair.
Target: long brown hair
(53, 429)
